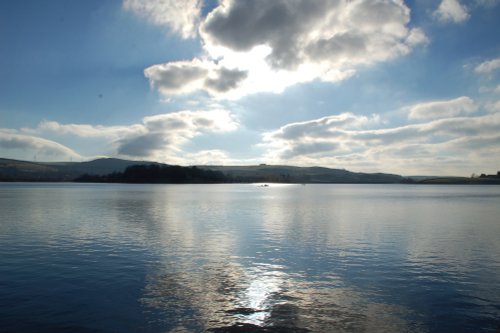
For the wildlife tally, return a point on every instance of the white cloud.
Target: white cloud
(489, 89)
(458, 145)
(159, 137)
(493, 107)
(84, 131)
(451, 11)
(209, 157)
(182, 17)
(417, 37)
(259, 45)
(324, 127)
(487, 3)
(443, 109)
(42, 148)
(488, 67)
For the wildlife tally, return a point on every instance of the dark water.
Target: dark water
(243, 258)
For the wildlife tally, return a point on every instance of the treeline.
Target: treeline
(174, 174)
(161, 174)
(497, 176)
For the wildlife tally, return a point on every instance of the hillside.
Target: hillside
(14, 170)
(291, 174)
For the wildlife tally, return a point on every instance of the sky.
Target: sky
(405, 87)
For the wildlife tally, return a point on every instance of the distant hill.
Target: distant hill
(14, 170)
(114, 170)
(291, 174)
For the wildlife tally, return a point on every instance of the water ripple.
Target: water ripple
(239, 258)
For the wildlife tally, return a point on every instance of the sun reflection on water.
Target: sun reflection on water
(257, 296)
(230, 295)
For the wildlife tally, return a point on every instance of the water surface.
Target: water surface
(284, 258)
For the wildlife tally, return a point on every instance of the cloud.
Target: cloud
(442, 109)
(164, 134)
(493, 107)
(210, 157)
(323, 127)
(487, 3)
(315, 137)
(177, 77)
(83, 130)
(181, 17)
(302, 31)
(188, 76)
(417, 37)
(488, 67)
(242, 25)
(225, 80)
(459, 144)
(460, 141)
(490, 89)
(159, 137)
(451, 11)
(43, 148)
(265, 46)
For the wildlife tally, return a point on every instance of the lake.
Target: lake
(245, 258)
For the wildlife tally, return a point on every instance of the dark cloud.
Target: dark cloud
(341, 46)
(175, 77)
(278, 23)
(226, 80)
(297, 31)
(162, 135)
(143, 145)
(169, 124)
(190, 76)
(286, 42)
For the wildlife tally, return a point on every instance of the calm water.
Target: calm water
(190, 258)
